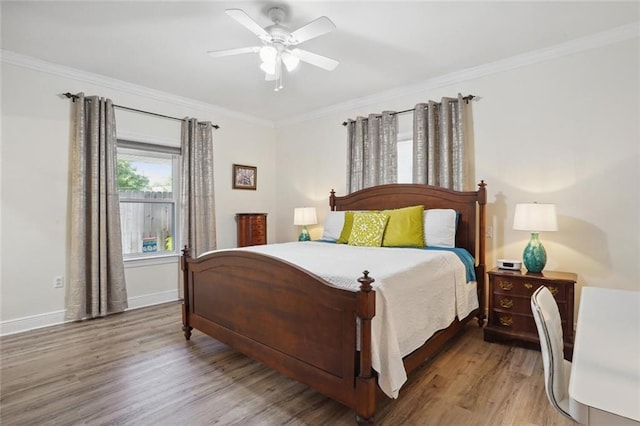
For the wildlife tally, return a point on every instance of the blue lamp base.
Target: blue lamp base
(304, 235)
(534, 256)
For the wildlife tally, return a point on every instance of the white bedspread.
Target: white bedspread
(418, 292)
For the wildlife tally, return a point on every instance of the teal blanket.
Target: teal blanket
(466, 258)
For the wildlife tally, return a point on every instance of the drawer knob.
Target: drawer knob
(506, 321)
(528, 286)
(505, 303)
(553, 290)
(505, 285)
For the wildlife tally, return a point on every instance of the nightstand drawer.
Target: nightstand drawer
(509, 320)
(521, 305)
(524, 287)
(514, 286)
(512, 321)
(508, 302)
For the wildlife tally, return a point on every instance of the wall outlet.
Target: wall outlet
(58, 282)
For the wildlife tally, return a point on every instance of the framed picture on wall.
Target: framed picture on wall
(245, 177)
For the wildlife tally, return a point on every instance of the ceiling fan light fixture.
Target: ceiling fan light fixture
(268, 54)
(268, 67)
(290, 61)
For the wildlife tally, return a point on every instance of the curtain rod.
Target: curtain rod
(74, 97)
(466, 99)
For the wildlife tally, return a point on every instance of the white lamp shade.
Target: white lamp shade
(535, 217)
(269, 68)
(268, 54)
(290, 61)
(305, 216)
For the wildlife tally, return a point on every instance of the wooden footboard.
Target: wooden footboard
(286, 318)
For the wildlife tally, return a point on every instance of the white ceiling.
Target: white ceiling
(381, 45)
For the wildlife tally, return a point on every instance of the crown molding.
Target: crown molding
(616, 35)
(581, 44)
(29, 62)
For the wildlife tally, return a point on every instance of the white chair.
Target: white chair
(556, 369)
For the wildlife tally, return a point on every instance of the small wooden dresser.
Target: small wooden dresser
(252, 229)
(510, 316)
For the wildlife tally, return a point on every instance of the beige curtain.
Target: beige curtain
(442, 153)
(96, 270)
(198, 206)
(372, 151)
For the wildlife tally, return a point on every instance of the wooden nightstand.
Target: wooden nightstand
(510, 316)
(252, 229)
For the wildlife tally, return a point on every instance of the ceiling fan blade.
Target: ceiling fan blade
(230, 52)
(317, 60)
(246, 21)
(313, 29)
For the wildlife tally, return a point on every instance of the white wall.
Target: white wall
(562, 131)
(34, 197)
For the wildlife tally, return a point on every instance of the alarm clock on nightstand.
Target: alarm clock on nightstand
(514, 265)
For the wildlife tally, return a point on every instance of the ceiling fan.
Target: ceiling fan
(279, 44)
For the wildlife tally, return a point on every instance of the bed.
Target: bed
(302, 323)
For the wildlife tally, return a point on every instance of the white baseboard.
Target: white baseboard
(20, 325)
(153, 299)
(32, 322)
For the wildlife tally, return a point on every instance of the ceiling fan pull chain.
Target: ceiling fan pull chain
(278, 72)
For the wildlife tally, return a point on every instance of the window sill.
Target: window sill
(163, 259)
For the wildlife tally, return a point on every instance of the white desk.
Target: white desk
(605, 371)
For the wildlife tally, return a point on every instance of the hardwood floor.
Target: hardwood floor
(136, 368)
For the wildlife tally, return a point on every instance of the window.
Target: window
(148, 184)
(405, 160)
(405, 148)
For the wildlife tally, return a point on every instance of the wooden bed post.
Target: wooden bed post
(332, 200)
(186, 328)
(365, 382)
(482, 203)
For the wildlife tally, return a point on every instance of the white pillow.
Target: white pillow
(333, 224)
(440, 228)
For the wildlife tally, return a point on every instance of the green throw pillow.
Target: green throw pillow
(368, 229)
(346, 228)
(405, 227)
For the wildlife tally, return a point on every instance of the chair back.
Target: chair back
(547, 317)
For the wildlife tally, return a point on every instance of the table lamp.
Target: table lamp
(535, 217)
(303, 216)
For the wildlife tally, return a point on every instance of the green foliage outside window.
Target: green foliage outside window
(129, 179)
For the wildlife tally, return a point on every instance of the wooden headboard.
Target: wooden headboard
(470, 206)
